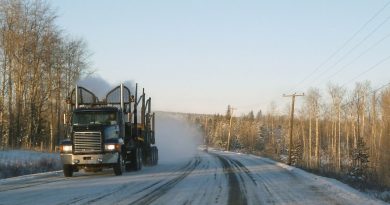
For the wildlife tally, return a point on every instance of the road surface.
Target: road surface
(207, 178)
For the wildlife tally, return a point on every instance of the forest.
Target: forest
(39, 64)
(337, 132)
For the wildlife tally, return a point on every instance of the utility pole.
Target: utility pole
(291, 122)
(230, 126)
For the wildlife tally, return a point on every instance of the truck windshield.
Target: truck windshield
(89, 117)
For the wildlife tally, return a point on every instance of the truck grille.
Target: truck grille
(87, 142)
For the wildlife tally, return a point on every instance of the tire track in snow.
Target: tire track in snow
(147, 187)
(237, 196)
(137, 192)
(124, 196)
(92, 199)
(24, 184)
(164, 188)
(102, 196)
(239, 165)
(254, 198)
(289, 195)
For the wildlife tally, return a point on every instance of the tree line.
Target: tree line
(337, 132)
(39, 64)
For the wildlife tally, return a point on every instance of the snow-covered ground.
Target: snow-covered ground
(184, 175)
(206, 178)
(21, 162)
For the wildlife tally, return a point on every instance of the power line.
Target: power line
(343, 45)
(353, 48)
(381, 87)
(366, 71)
(358, 57)
(373, 91)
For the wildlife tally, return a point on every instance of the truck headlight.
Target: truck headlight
(66, 148)
(112, 147)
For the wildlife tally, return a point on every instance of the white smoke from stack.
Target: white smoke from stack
(96, 84)
(176, 139)
(100, 87)
(131, 85)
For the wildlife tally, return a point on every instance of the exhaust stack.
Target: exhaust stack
(77, 96)
(143, 108)
(122, 104)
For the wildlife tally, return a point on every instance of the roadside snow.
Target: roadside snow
(330, 186)
(333, 186)
(21, 162)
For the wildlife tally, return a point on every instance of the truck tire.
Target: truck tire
(155, 155)
(128, 162)
(140, 162)
(119, 166)
(152, 156)
(149, 157)
(128, 167)
(136, 161)
(68, 170)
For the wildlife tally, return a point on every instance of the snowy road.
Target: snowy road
(207, 178)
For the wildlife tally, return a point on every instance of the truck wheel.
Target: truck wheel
(137, 160)
(68, 170)
(128, 162)
(128, 167)
(155, 154)
(119, 166)
(152, 157)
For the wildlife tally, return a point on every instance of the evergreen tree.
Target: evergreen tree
(359, 169)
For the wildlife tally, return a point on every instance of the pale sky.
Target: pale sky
(201, 55)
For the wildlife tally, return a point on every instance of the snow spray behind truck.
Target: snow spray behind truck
(107, 133)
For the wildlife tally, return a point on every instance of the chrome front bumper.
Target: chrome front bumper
(90, 159)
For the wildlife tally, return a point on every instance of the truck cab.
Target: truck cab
(96, 141)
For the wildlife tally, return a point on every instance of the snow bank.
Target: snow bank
(331, 185)
(21, 162)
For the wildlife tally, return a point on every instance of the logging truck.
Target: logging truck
(107, 133)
